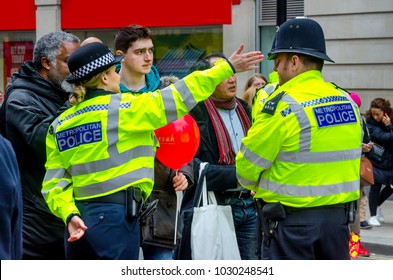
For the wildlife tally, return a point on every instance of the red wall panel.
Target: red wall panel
(93, 14)
(17, 15)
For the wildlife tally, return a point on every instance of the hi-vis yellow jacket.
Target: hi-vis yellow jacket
(106, 144)
(304, 147)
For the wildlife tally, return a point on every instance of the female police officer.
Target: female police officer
(100, 152)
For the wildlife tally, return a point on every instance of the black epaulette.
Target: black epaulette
(271, 105)
(337, 87)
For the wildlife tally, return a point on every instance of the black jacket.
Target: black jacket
(159, 229)
(383, 136)
(31, 104)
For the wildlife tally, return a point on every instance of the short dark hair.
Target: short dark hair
(127, 35)
(205, 63)
(310, 62)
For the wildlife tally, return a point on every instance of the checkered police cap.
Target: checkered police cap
(90, 60)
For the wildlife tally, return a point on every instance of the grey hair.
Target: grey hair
(49, 45)
(167, 80)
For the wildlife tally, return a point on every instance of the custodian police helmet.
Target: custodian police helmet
(300, 35)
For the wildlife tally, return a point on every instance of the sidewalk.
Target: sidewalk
(379, 240)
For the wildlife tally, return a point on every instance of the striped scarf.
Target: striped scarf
(227, 155)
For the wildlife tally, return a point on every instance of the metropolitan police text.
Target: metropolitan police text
(82, 134)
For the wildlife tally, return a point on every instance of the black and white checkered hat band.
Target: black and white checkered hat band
(95, 64)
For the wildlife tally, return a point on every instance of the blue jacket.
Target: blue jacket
(10, 204)
(31, 104)
(152, 81)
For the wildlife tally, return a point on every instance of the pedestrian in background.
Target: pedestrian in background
(89, 40)
(302, 154)
(379, 123)
(361, 205)
(137, 72)
(100, 152)
(253, 83)
(10, 204)
(256, 80)
(34, 98)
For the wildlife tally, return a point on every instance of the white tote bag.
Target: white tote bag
(213, 234)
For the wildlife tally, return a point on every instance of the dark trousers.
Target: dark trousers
(110, 234)
(310, 234)
(377, 196)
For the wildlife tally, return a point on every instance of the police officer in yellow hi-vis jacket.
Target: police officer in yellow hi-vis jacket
(100, 152)
(302, 153)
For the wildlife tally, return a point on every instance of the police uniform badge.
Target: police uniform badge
(271, 105)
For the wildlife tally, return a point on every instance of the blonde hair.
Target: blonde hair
(80, 89)
(249, 94)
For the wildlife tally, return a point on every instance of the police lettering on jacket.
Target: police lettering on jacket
(334, 114)
(79, 135)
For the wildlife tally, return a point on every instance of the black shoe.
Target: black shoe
(365, 225)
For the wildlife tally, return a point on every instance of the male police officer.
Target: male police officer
(302, 154)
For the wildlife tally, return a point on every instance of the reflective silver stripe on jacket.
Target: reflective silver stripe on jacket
(319, 157)
(54, 124)
(270, 89)
(186, 94)
(57, 173)
(245, 182)
(113, 183)
(169, 103)
(254, 158)
(324, 190)
(116, 159)
(304, 123)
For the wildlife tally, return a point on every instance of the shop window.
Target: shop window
(15, 48)
(176, 49)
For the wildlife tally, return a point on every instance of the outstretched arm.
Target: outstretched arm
(246, 61)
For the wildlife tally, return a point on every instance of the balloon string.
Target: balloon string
(179, 197)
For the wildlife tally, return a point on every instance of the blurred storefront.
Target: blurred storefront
(183, 31)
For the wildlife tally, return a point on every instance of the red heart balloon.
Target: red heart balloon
(179, 142)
